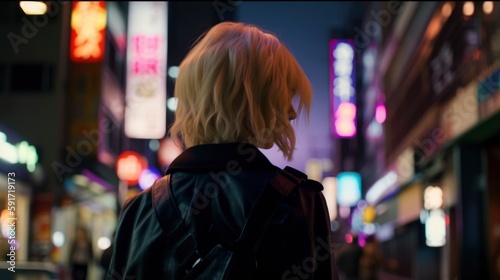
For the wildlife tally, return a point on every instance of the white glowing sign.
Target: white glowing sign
(146, 94)
(433, 198)
(330, 193)
(343, 88)
(382, 187)
(435, 228)
(22, 153)
(434, 217)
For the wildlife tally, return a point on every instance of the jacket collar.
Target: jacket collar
(208, 157)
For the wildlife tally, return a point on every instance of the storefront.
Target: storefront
(20, 174)
(89, 201)
(455, 159)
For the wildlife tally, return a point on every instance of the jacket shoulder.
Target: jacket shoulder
(135, 199)
(312, 185)
(305, 182)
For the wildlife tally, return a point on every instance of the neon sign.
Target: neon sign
(146, 111)
(434, 217)
(129, 167)
(348, 188)
(22, 153)
(88, 30)
(343, 88)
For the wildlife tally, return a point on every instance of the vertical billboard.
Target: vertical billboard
(88, 31)
(342, 88)
(146, 93)
(87, 50)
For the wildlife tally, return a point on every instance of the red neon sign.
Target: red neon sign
(88, 30)
(129, 167)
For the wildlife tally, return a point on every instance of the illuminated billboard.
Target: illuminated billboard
(342, 88)
(88, 30)
(146, 93)
(348, 188)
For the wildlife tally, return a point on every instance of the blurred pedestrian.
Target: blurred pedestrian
(372, 260)
(348, 259)
(238, 90)
(81, 254)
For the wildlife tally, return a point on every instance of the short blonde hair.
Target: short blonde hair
(236, 85)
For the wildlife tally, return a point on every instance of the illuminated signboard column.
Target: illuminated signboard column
(86, 52)
(146, 93)
(88, 30)
(342, 88)
(19, 169)
(433, 217)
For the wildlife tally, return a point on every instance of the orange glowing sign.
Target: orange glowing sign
(88, 30)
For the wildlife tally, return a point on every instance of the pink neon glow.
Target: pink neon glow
(146, 46)
(345, 128)
(346, 110)
(348, 238)
(146, 66)
(146, 49)
(362, 242)
(345, 119)
(380, 113)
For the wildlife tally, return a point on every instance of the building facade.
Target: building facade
(436, 196)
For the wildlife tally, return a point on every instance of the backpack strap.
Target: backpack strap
(163, 202)
(176, 229)
(263, 210)
(257, 222)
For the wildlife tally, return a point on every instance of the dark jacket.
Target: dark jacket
(105, 259)
(217, 185)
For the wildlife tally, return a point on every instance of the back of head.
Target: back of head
(237, 85)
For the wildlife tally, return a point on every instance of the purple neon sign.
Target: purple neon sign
(342, 88)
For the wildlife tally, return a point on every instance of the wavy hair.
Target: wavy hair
(237, 84)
